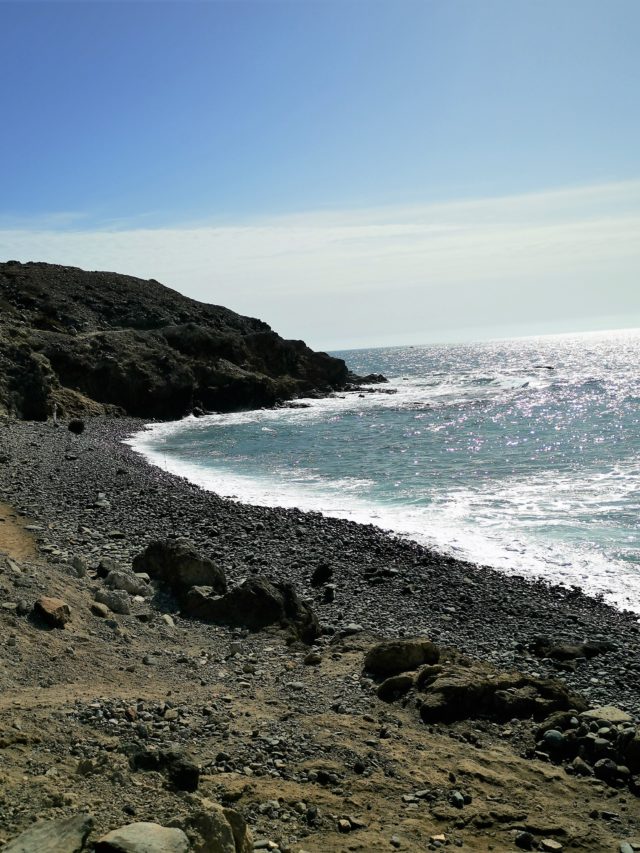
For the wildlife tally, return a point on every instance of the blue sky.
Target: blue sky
(276, 156)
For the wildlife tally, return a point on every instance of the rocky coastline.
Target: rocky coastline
(306, 746)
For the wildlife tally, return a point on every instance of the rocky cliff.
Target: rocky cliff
(99, 342)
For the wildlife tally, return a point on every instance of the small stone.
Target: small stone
(549, 845)
(344, 825)
(395, 841)
(524, 841)
(456, 799)
(100, 610)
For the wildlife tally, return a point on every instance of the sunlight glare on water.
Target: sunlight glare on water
(523, 454)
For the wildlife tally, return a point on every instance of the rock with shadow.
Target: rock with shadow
(254, 604)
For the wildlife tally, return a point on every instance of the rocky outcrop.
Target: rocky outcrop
(177, 564)
(255, 604)
(99, 342)
(449, 687)
(394, 656)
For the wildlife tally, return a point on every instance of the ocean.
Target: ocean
(519, 454)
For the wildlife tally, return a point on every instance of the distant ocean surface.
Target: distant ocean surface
(521, 454)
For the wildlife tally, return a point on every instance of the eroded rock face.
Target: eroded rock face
(395, 656)
(177, 564)
(255, 604)
(99, 342)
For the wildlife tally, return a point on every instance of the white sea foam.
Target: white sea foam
(467, 523)
(567, 522)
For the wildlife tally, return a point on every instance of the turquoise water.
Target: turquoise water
(521, 454)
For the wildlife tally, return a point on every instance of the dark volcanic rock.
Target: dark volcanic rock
(99, 342)
(76, 426)
(546, 648)
(181, 771)
(177, 563)
(393, 656)
(255, 604)
(466, 691)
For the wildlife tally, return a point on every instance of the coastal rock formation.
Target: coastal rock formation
(177, 564)
(99, 342)
(255, 604)
(394, 656)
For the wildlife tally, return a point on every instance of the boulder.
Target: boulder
(53, 836)
(547, 648)
(116, 600)
(54, 611)
(321, 574)
(255, 604)
(241, 834)
(182, 772)
(395, 656)
(76, 426)
(607, 714)
(128, 582)
(394, 687)
(100, 610)
(214, 829)
(478, 691)
(178, 564)
(143, 838)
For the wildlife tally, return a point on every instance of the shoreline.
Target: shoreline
(386, 583)
(296, 743)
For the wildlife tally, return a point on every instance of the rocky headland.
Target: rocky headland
(180, 672)
(102, 343)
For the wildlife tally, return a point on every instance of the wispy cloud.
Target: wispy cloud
(337, 275)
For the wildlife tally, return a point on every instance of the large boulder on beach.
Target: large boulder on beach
(255, 604)
(463, 691)
(176, 563)
(391, 657)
